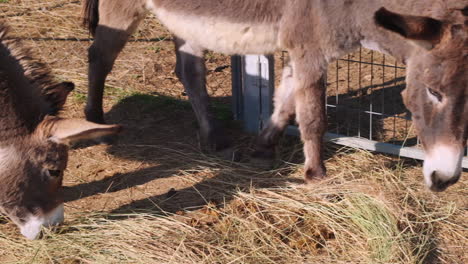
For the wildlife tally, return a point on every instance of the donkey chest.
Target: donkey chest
(220, 35)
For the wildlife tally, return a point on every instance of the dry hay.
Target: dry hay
(371, 210)
(155, 198)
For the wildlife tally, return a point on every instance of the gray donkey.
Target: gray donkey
(33, 139)
(430, 36)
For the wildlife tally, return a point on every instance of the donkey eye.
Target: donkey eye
(435, 94)
(55, 173)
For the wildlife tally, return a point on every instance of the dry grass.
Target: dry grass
(154, 198)
(371, 210)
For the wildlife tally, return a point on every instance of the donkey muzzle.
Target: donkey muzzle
(439, 185)
(442, 167)
(31, 229)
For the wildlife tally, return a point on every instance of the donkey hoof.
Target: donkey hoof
(314, 175)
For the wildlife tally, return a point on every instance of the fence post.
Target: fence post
(253, 87)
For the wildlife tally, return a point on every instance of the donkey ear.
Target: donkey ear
(57, 95)
(425, 31)
(67, 131)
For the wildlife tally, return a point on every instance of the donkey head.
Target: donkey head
(33, 140)
(437, 91)
(32, 165)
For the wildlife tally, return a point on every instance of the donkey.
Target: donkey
(33, 139)
(429, 35)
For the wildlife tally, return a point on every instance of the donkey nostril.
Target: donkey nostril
(434, 177)
(438, 184)
(40, 235)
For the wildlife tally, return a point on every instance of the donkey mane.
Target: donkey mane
(38, 73)
(27, 90)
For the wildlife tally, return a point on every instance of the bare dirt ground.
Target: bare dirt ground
(154, 197)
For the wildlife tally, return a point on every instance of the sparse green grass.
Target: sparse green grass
(151, 103)
(79, 98)
(155, 48)
(116, 94)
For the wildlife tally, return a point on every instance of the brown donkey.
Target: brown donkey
(33, 140)
(431, 38)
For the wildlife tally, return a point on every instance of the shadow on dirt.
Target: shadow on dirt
(162, 131)
(374, 112)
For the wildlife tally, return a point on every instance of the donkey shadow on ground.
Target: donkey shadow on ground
(162, 131)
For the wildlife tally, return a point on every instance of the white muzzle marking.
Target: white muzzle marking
(32, 228)
(445, 160)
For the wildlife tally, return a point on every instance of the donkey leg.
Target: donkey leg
(310, 99)
(190, 69)
(283, 112)
(110, 38)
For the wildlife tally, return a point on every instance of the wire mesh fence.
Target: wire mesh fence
(364, 98)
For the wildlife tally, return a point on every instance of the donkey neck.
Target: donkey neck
(21, 104)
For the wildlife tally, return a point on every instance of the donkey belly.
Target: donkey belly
(216, 34)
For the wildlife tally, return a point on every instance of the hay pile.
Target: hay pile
(371, 210)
